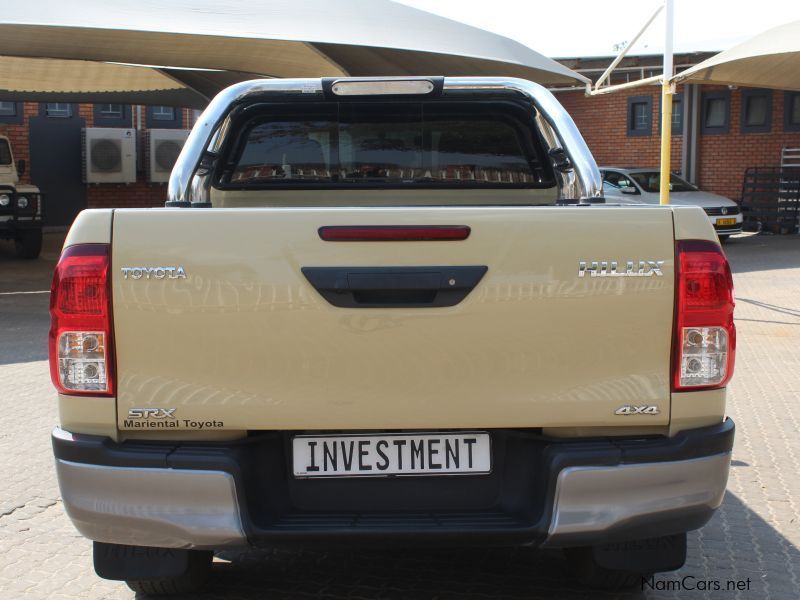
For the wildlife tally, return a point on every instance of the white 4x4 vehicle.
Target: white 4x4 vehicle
(20, 206)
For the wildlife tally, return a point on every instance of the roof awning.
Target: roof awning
(56, 80)
(275, 38)
(769, 60)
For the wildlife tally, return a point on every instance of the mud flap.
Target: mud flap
(651, 555)
(140, 563)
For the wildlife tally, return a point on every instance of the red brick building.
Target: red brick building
(47, 136)
(719, 132)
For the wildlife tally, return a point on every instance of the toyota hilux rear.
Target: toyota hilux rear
(390, 311)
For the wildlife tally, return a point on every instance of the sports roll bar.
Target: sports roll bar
(576, 171)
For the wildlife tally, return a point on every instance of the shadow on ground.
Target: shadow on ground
(735, 546)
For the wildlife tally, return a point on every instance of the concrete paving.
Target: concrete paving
(753, 540)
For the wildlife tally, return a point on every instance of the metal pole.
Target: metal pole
(624, 51)
(666, 106)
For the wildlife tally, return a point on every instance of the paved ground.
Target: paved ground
(755, 536)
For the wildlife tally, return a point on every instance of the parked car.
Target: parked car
(642, 186)
(390, 311)
(20, 205)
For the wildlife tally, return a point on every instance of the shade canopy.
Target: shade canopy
(769, 60)
(234, 40)
(58, 80)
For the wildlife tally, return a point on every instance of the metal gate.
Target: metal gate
(771, 195)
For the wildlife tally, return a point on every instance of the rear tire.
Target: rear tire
(585, 569)
(192, 580)
(28, 243)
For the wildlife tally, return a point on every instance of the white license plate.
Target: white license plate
(371, 455)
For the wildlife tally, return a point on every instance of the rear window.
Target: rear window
(363, 144)
(5, 153)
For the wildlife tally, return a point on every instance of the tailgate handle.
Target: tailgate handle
(394, 287)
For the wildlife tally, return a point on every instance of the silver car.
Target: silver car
(641, 186)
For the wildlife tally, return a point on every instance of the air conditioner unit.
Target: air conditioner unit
(109, 155)
(163, 147)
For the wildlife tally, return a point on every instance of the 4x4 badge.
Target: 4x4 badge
(644, 409)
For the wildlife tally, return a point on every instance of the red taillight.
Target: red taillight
(81, 349)
(704, 342)
(393, 233)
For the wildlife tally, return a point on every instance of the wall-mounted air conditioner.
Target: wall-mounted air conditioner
(109, 155)
(163, 147)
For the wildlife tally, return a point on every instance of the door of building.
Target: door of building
(55, 161)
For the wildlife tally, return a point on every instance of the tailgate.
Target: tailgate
(246, 342)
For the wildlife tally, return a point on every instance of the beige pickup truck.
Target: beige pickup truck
(390, 311)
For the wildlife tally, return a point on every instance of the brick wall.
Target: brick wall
(139, 194)
(722, 158)
(603, 122)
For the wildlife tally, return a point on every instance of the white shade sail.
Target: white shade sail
(233, 40)
(769, 60)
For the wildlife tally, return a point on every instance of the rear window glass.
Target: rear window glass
(5, 153)
(358, 144)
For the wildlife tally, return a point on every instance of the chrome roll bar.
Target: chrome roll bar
(576, 171)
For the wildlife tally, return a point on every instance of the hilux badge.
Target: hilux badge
(611, 268)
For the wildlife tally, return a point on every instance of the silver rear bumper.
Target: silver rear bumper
(594, 503)
(165, 508)
(202, 506)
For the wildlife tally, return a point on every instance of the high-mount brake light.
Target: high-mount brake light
(394, 233)
(704, 341)
(382, 87)
(81, 352)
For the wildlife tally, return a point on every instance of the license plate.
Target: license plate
(726, 221)
(381, 455)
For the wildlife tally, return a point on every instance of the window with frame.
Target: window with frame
(110, 111)
(112, 115)
(640, 115)
(163, 113)
(384, 144)
(756, 111)
(5, 153)
(164, 117)
(791, 111)
(8, 109)
(617, 181)
(716, 112)
(58, 110)
(677, 114)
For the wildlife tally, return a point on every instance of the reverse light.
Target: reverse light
(705, 336)
(81, 357)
